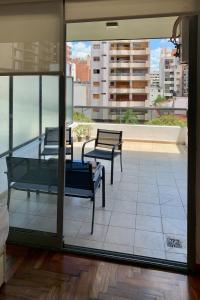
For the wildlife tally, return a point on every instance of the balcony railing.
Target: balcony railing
(137, 122)
(113, 113)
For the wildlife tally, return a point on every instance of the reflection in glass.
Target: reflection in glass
(4, 113)
(25, 109)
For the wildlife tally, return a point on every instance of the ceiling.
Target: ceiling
(77, 10)
(127, 29)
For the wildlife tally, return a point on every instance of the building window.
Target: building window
(96, 83)
(96, 58)
(96, 96)
(96, 46)
(103, 80)
(96, 71)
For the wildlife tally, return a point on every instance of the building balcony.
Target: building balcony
(128, 76)
(135, 64)
(140, 51)
(130, 90)
(127, 90)
(120, 51)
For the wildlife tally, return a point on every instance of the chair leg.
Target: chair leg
(103, 188)
(72, 152)
(28, 194)
(112, 166)
(93, 211)
(9, 195)
(121, 161)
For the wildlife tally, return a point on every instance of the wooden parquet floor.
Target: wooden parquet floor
(42, 275)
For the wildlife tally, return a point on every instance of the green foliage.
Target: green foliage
(159, 100)
(129, 117)
(168, 120)
(80, 117)
(82, 130)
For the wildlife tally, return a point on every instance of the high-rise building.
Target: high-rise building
(120, 73)
(37, 56)
(154, 79)
(168, 67)
(154, 87)
(173, 75)
(83, 72)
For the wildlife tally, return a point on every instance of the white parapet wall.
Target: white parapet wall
(148, 133)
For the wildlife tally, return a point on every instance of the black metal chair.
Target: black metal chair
(41, 176)
(111, 142)
(81, 180)
(51, 142)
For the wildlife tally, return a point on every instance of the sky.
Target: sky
(83, 49)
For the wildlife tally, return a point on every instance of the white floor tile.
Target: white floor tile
(174, 226)
(98, 235)
(121, 236)
(120, 219)
(148, 223)
(146, 197)
(169, 212)
(125, 206)
(148, 209)
(149, 240)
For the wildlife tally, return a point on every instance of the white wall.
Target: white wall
(150, 133)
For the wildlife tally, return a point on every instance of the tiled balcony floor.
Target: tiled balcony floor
(146, 205)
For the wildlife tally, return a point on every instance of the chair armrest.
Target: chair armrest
(83, 147)
(115, 146)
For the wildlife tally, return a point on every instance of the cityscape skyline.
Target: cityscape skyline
(82, 49)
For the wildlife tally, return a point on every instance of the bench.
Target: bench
(41, 176)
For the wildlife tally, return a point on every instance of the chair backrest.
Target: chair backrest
(32, 171)
(52, 136)
(78, 175)
(107, 138)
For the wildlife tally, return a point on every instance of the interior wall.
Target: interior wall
(87, 9)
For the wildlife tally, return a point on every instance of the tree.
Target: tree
(159, 99)
(129, 117)
(168, 120)
(81, 117)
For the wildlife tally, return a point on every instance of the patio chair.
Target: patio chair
(82, 180)
(108, 145)
(51, 142)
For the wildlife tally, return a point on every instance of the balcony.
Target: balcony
(123, 90)
(140, 51)
(145, 206)
(139, 64)
(119, 51)
(129, 76)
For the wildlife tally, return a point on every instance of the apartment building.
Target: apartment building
(154, 87)
(120, 73)
(173, 75)
(25, 56)
(82, 66)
